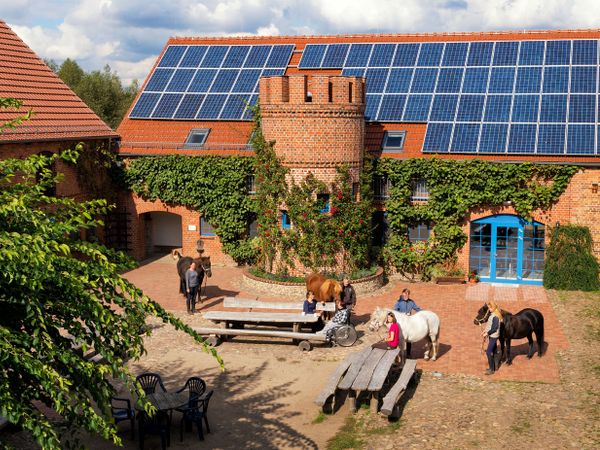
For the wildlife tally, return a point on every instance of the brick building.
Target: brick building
(60, 119)
(501, 96)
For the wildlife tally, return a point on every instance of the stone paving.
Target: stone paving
(457, 305)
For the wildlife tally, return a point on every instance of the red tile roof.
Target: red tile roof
(58, 113)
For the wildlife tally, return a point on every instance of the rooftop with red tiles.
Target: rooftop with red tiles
(58, 114)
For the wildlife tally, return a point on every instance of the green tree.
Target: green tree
(101, 90)
(57, 292)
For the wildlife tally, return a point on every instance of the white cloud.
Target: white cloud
(129, 34)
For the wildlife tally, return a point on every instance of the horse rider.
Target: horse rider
(492, 332)
(348, 294)
(191, 288)
(339, 320)
(406, 305)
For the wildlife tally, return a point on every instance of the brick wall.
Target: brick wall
(578, 205)
(190, 230)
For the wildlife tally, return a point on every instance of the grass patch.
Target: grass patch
(320, 418)
(347, 437)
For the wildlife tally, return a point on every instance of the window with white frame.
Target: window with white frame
(393, 140)
(196, 138)
(420, 192)
(381, 187)
(419, 232)
(251, 184)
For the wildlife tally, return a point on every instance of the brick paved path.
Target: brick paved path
(457, 305)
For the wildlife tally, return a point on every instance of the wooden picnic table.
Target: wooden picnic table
(367, 371)
(296, 320)
(250, 303)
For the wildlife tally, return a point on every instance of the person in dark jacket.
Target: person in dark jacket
(406, 305)
(492, 332)
(310, 307)
(348, 294)
(191, 287)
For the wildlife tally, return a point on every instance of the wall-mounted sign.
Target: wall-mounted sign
(191, 227)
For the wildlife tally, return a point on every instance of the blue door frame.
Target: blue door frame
(507, 249)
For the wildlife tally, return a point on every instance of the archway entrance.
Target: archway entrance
(162, 232)
(507, 249)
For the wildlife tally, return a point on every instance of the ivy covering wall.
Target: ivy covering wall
(213, 185)
(455, 188)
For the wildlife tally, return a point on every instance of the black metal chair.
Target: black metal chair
(121, 410)
(204, 405)
(160, 425)
(192, 412)
(150, 381)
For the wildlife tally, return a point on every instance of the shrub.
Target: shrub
(570, 263)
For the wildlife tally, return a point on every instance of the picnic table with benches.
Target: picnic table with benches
(368, 371)
(234, 322)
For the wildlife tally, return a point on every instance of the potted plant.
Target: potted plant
(473, 277)
(448, 273)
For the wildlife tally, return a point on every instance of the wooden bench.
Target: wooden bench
(365, 371)
(249, 303)
(390, 401)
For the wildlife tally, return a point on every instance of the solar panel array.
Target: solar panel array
(517, 97)
(209, 82)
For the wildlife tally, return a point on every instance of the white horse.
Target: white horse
(424, 324)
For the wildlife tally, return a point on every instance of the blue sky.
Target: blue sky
(129, 34)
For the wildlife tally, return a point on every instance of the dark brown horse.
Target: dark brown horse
(184, 263)
(516, 326)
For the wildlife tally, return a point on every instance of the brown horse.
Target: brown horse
(325, 289)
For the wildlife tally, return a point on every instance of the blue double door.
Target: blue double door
(507, 249)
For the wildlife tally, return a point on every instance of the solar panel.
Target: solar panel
(437, 138)
(312, 56)
(392, 107)
(335, 55)
(166, 106)
(257, 57)
(236, 56)
(200, 72)
(382, 55)
(172, 56)
(189, 106)
(538, 96)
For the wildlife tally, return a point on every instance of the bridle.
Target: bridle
(480, 322)
(204, 269)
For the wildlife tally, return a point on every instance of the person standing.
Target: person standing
(406, 305)
(492, 332)
(191, 286)
(348, 294)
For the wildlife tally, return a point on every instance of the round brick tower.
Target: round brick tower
(317, 123)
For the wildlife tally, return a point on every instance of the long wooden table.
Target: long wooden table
(364, 371)
(229, 318)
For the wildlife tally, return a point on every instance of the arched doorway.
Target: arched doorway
(162, 232)
(507, 249)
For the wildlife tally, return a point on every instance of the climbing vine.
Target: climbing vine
(321, 236)
(455, 188)
(213, 185)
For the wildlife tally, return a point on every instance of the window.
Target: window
(251, 184)
(419, 232)
(323, 202)
(393, 140)
(206, 229)
(253, 229)
(286, 223)
(381, 187)
(419, 190)
(196, 138)
(355, 191)
(249, 145)
(380, 228)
